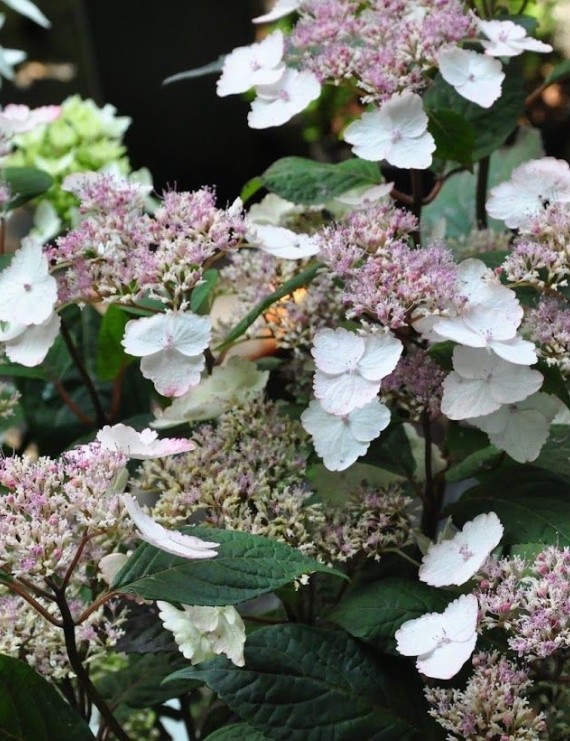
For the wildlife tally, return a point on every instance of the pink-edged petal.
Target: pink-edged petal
(143, 445)
(171, 541)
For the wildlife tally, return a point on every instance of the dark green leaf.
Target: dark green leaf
(21, 371)
(200, 301)
(555, 455)
(304, 181)
(532, 504)
(528, 551)
(491, 125)
(237, 732)
(392, 452)
(375, 611)
(560, 72)
(307, 684)
(297, 281)
(139, 684)
(32, 710)
(245, 567)
(111, 357)
(454, 136)
(25, 183)
(554, 382)
(211, 68)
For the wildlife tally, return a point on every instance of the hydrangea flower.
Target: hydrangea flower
(27, 289)
(488, 316)
(350, 367)
(248, 66)
(204, 632)
(278, 103)
(171, 346)
(16, 119)
(508, 39)
(397, 132)
(442, 641)
(279, 10)
(171, 541)
(340, 440)
(456, 560)
(481, 382)
(474, 76)
(29, 345)
(533, 186)
(30, 10)
(141, 446)
(521, 428)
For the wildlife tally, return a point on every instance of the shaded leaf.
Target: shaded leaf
(25, 183)
(304, 181)
(245, 567)
(110, 356)
(307, 684)
(32, 710)
(375, 611)
(200, 301)
(560, 72)
(454, 136)
(250, 189)
(481, 460)
(237, 732)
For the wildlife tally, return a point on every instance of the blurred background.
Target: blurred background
(120, 51)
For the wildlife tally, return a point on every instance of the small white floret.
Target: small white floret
(248, 66)
(508, 39)
(474, 76)
(276, 104)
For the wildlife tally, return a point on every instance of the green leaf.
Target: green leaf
(555, 454)
(532, 504)
(237, 732)
(304, 181)
(554, 382)
(21, 371)
(200, 301)
(25, 183)
(111, 357)
(528, 551)
(560, 72)
(211, 68)
(454, 136)
(297, 281)
(250, 189)
(375, 611)
(491, 126)
(335, 487)
(32, 710)
(245, 567)
(392, 451)
(481, 460)
(307, 684)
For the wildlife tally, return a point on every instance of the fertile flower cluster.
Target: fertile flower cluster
(23, 634)
(51, 504)
(384, 278)
(530, 600)
(548, 325)
(416, 384)
(492, 705)
(9, 398)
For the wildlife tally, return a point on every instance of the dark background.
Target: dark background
(122, 50)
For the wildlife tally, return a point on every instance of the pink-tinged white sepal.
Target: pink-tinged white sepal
(443, 642)
(456, 560)
(397, 133)
(143, 445)
(474, 76)
(171, 541)
(279, 10)
(276, 104)
(508, 39)
(248, 66)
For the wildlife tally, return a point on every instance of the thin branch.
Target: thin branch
(107, 717)
(96, 605)
(38, 591)
(71, 404)
(15, 587)
(69, 573)
(481, 198)
(100, 414)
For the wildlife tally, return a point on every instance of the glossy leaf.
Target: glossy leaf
(25, 183)
(454, 136)
(245, 567)
(111, 357)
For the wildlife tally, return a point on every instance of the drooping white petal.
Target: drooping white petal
(143, 445)
(342, 393)
(337, 350)
(474, 76)
(172, 373)
(442, 641)
(279, 10)
(455, 561)
(248, 66)
(171, 541)
(30, 10)
(397, 132)
(284, 243)
(277, 104)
